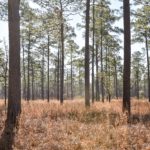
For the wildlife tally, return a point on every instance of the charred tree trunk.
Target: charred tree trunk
(127, 57)
(14, 92)
(87, 71)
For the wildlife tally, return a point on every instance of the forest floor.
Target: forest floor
(103, 126)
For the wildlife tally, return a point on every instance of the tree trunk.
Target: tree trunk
(109, 88)
(127, 57)
(107, 71)
(5, 89)
(58, 75)
(67, 85)
(14, 93)
(87, 71)
(80, 82)
(145, 86)
(102, 76)
(62, 55)
(42, 77)
(137, 79)
(93, 51)
(24, 73)
(116, 81)
(71, 76)
(148, 76)
(32, 67)
(28, 87)
(55, 81)
(48, 53)
(97, 76)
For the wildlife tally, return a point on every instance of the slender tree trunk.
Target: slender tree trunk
(127, 57)
(58, 75)
(93, 52)
(32, 67)
(145, 86)
(28, 87)
(97, 76)
(14, 92)
(80, 82)
(42, 77)
(116, 80)
(48, 45)
(24, 73)
(137, 88)
(148, 76)
(107, 86)
(5, 89)
(62, 55)
(67, 85)
(71, 76)
(87, 71)
(5, 85)
(102, 76)
(109, 80)
(55, 81)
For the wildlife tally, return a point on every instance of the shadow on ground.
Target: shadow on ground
(136, 118)
(7, 137)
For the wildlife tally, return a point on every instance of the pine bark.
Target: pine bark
(87, 71)
(14, 93)
(127, 57)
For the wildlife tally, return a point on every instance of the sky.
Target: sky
(115, 4)
(77, 19)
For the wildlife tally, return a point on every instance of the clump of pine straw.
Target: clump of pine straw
(73, 127)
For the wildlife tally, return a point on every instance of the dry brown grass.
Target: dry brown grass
(51, 126)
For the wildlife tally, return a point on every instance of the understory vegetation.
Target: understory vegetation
(71, 126)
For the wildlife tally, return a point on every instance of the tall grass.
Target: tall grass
(51, 126)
